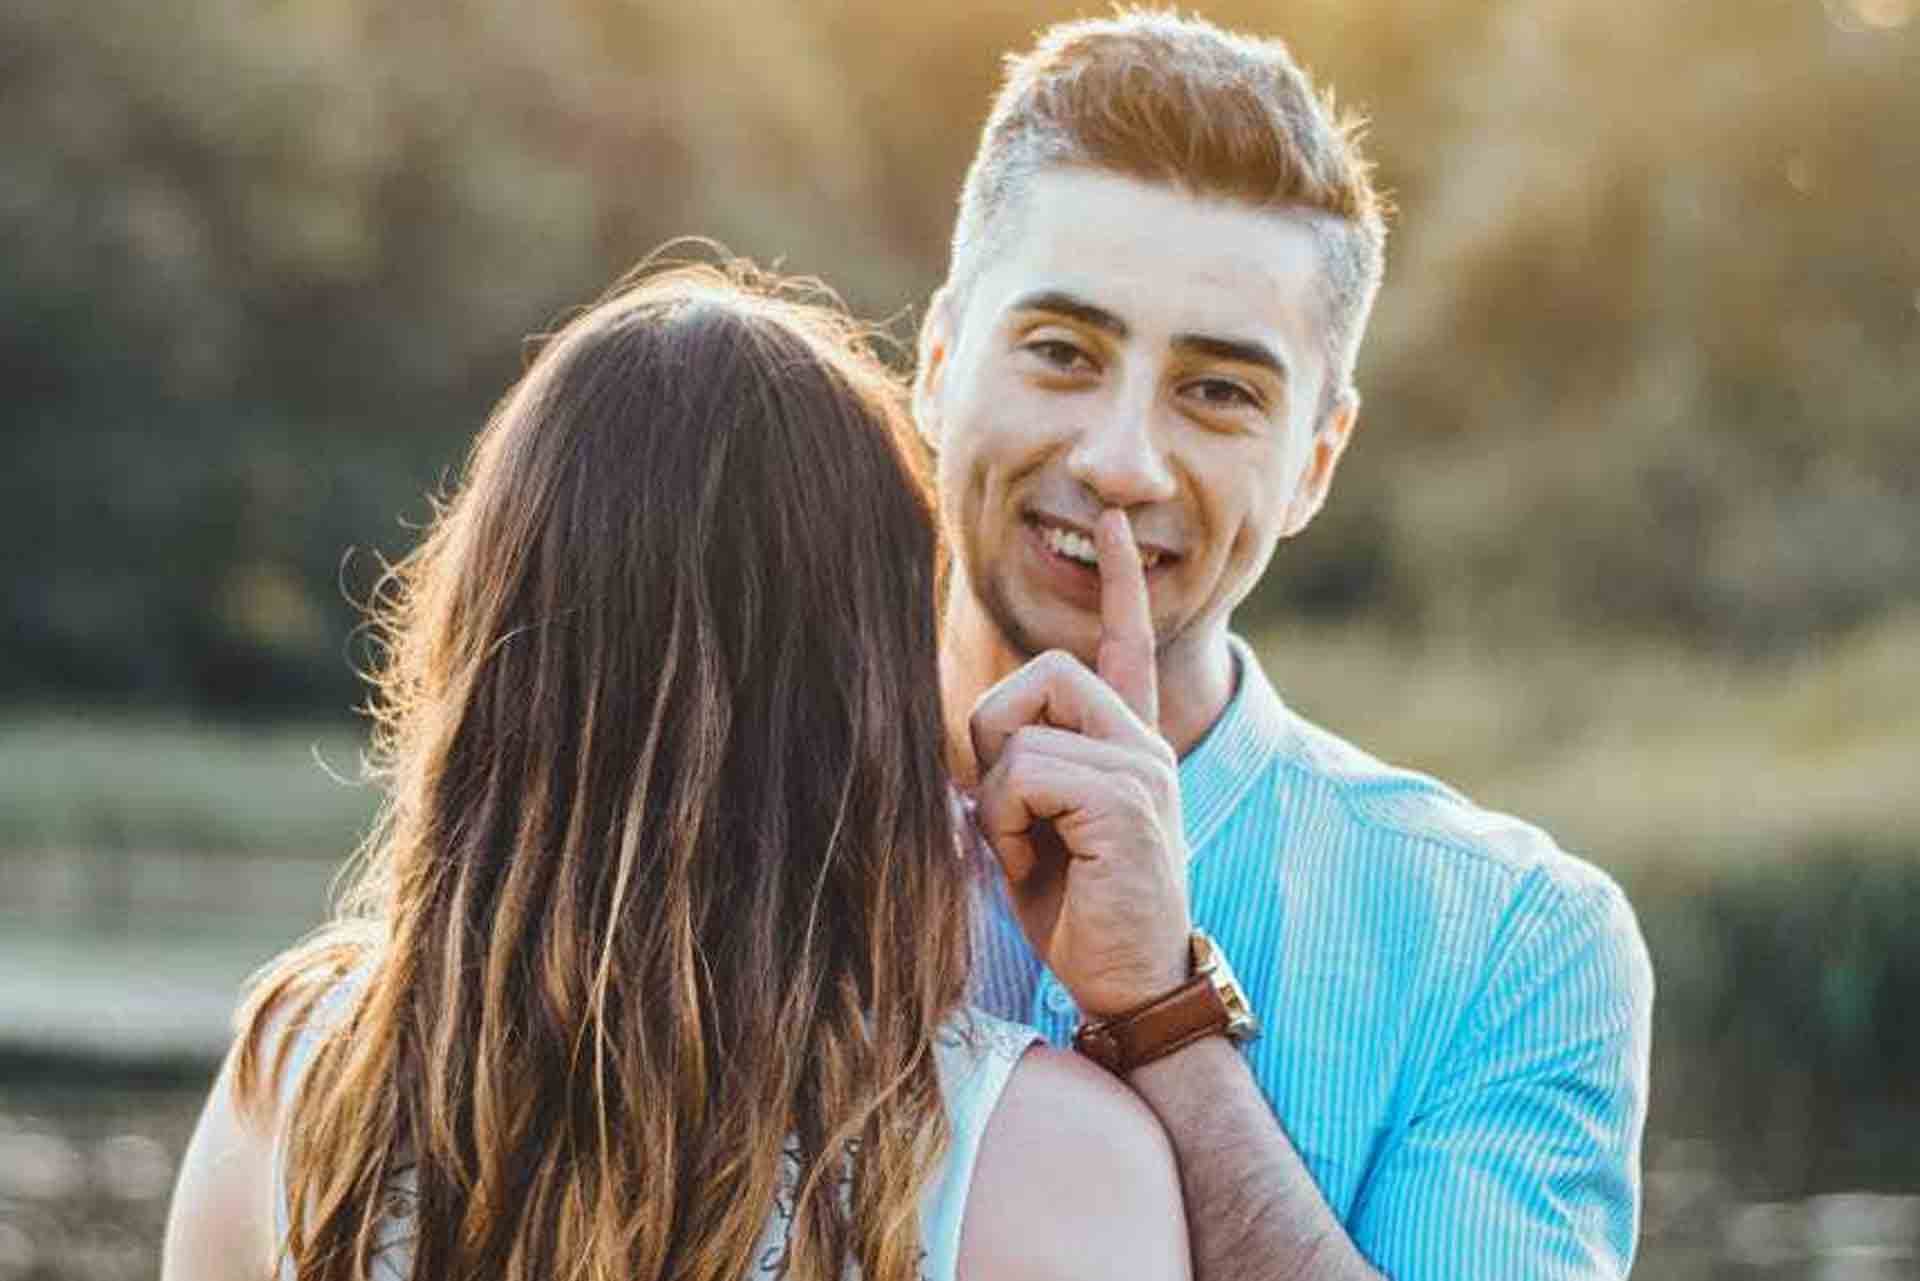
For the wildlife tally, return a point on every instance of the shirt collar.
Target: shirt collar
(1254, 728)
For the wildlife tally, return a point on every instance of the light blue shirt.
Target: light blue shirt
(1455, 1012)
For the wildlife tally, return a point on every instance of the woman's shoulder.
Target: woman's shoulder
(223, 1219)
(1077, 1110)
(1075, 1178)
(221, 1222)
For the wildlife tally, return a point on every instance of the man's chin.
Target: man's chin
(1029, 632)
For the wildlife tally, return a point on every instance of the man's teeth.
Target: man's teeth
(1078, 547)
(1065, 542)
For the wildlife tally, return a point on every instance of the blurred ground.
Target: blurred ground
(1757, 816)
(86, 1166)
(84, 1175)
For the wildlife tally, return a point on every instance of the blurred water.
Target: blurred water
(111, 1025)
(86, 1167)
(150, 966)
(1699, 1227)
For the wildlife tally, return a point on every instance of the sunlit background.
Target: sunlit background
(1629, 542)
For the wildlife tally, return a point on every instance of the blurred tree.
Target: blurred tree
(1645, 362)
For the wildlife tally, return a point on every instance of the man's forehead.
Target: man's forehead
(1116, 241)
(1152, 262)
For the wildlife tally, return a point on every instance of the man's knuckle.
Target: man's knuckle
(1137, 793)
(1020, 748)
(1165, 780)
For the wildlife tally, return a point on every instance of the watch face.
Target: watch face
(1242, 1024)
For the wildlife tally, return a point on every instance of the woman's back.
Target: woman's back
(1055, 1172)
(663, 924)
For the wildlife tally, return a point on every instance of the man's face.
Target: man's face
(1129, 346)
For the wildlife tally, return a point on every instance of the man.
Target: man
(1138, 377)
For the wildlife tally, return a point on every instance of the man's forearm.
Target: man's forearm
(1253, 1210)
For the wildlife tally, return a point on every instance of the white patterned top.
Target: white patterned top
(975, 1054)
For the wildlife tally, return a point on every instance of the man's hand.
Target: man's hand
(1080, 800)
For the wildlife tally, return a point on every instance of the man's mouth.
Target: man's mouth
(1077, 546)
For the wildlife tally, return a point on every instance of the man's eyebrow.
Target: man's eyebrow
(1241, 351)
(1234, 349)
(1079, 309)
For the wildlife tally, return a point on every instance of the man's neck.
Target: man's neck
(1197, 681)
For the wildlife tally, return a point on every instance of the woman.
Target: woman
(656, 963)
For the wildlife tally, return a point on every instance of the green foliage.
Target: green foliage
(1784, 1021)
(86, 785)
(1644, 364)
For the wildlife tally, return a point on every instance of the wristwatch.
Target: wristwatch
(1210, 1003)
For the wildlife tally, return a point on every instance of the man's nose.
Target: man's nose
(1118, 458)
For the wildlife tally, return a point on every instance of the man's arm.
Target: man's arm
(1081, 804)
(1253, 1210)
(1519, 1160)
(1521, 1156)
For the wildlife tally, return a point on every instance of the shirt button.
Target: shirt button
(1059, 1000)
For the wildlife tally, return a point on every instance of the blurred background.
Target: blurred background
(1629, 542)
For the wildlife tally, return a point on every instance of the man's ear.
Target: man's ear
(936, 339)
(1329, 443)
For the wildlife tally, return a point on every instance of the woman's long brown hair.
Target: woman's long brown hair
(664, 898)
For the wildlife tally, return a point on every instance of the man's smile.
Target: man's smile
(1072, 541)
(1066, 563)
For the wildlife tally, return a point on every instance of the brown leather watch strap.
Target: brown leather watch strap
(1187, 1014)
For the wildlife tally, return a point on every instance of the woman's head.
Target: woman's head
(667, 878)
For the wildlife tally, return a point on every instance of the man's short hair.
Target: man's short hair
(1178, 101)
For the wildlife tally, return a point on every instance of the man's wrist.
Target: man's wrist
(1208, 1003)
(1149, 988)
(1174, 1074)
(1116, 994)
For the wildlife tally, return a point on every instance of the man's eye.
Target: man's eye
(1059, 353)
(1223, 393)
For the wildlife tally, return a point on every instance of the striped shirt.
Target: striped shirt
(1455, 1012)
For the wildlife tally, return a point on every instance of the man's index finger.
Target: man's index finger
(1126, 619)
